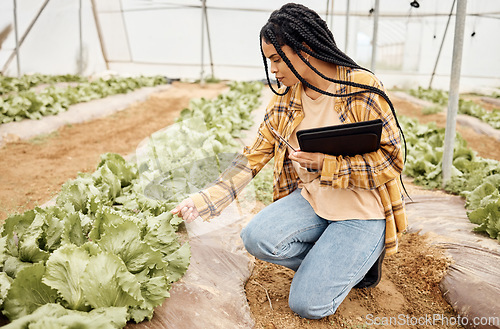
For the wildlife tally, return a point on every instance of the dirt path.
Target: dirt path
(32, 172)
(409, 288)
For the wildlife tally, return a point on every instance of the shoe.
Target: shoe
(374, 274)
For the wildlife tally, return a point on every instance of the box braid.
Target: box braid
(296, 26)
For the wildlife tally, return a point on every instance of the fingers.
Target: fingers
(189, 214)
(187, 210)
(176, 210)
(303, 158)
(308, 160)
(299, 155)
(191, 217)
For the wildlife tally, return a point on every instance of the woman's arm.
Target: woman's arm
(373, 169)
(211, 201)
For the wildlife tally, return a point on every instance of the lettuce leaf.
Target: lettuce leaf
(107, 282)
(64, 272)
(27, 292)
(124, 240)
(55, 316)
(125, 172)
(160, 234)
(178, 262)
(5, 283)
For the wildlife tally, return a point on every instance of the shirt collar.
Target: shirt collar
(295, 103)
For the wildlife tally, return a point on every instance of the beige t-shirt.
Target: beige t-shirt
(327, 202)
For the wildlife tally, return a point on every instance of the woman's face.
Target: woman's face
(279, 68)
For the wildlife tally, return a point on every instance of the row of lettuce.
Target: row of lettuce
(28, 81)
(468, 107)
(19, 99)
(107, 251)
(476, 179)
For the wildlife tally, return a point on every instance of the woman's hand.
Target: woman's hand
(308, 160)
(187, 210)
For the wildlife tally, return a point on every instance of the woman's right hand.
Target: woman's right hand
(187, 210)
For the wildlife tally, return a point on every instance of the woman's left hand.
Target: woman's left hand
(308, 160)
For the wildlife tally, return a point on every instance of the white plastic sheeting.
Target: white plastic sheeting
(52, 46)
(164, 37)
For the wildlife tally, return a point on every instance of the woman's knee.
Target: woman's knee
(253, 241)
(248, 240)
(306, 307)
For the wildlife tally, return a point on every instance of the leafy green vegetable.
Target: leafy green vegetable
(64, 271)
(27, 292)
(55, 316)
(440, 98)
(488, 218)
(107, 282)
(26, 82)
(124, 240)
(108, 251)
(29, 104)
(475, 178)
(5, 283)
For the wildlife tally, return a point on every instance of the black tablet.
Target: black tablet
(345, 139)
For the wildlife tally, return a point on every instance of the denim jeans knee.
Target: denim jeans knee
(251, 242)
(303, 308)
(283, 232)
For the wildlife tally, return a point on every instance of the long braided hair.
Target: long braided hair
(303, 30)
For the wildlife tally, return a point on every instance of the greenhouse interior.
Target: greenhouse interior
(147, 145)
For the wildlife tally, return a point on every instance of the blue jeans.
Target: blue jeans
(329, 257)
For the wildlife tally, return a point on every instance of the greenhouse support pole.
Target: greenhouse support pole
(203, 6)
(451, 118)
(374, 38)
(327, 7)
(99, 33)
(18, 61)
(18, 44)
(80, 62)
(441, 46)
(331, 15)
(209, 44)
(347, 25)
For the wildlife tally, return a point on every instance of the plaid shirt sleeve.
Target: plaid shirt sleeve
(211, 201)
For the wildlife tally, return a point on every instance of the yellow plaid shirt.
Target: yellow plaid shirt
(377, 170)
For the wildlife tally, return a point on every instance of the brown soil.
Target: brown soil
(32, 172)
(408, 292)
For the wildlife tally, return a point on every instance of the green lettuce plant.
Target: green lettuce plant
(476, 179)
(468, 107)
(29, 104)
(107, 252)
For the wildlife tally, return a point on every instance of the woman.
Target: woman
(334, 223)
